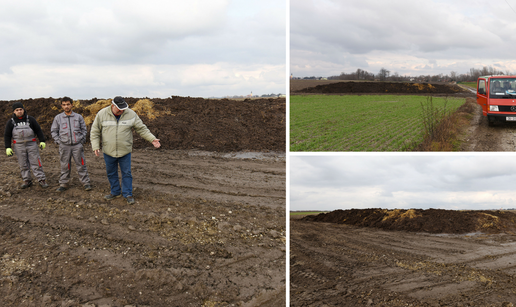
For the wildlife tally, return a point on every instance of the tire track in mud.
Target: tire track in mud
(343, 265)
(174, 247)
(482, 137)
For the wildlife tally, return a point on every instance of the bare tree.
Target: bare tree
(383, 74)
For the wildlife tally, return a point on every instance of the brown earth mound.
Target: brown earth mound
(383, 87)
(418, 220)
(221, 125)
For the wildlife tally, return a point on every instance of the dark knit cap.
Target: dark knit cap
(17, 105)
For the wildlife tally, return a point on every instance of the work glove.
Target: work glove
(9, 152)
(42, 145)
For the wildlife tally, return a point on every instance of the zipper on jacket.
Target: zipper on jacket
(70, 128)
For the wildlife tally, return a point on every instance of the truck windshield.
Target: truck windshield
(502, 88)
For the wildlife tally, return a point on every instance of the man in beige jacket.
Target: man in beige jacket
(115, 124)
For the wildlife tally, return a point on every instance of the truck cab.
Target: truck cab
(497, 97)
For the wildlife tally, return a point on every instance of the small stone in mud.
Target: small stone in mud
(274, 233)
(237, 228)
(131, 227)
(223, 225)
(47, 298)
(91, 219)
(68, 303)
(104, 221)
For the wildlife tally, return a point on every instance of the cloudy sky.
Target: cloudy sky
(373, 181)
(410, 37)
(153, 48)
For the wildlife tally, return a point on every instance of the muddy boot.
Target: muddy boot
(87, 187)
(61, 189)
(26, 184)
(111, 196)
(43, 184)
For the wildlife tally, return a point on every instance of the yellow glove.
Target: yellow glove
(42, 145)
(9, 152)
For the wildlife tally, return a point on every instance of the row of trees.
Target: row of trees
(385, 75)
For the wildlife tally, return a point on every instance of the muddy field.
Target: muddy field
(207, 229)
(334, 264)
(368, 87)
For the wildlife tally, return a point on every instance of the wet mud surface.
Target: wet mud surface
(345, 265)
(365, 87)
(482, 137)
(221, 125)
(207, 229)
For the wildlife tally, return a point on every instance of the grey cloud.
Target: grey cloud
(247, 39)
(418, 29)
(415, 181)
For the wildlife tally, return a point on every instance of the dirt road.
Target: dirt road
(344, 265)
(206, 230)
(481, 137)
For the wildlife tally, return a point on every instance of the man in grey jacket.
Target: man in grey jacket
(115, 124)
(69, 132)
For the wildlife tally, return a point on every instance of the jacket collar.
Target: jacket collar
(64, 114)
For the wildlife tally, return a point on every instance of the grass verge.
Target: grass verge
(447, 129)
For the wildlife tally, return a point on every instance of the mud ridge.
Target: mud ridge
(351, 87)
(186, 123)
(418, 220)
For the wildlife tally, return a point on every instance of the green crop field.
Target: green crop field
(470, 84)
(360, 123)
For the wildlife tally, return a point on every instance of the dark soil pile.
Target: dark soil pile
(221, 125)
(384, 88)
(418, 220)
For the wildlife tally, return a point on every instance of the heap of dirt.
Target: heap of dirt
(418, 220)
(383, 88)
(184, 123)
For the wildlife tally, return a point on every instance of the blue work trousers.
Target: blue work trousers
(112, 174)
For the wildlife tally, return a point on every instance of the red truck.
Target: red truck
(497, 97)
